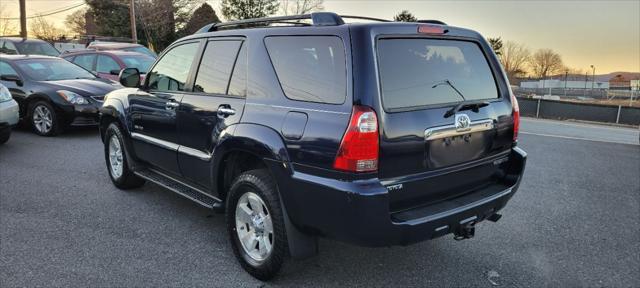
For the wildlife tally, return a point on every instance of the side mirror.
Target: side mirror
(114, 72)
(12, 78)
(129, 77)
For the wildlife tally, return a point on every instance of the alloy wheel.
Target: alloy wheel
(254, 226)
(115, 157)
(42, 119)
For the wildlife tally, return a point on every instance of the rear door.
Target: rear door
(86, 61)
(153, 108)
(421, 80)
(215, 102)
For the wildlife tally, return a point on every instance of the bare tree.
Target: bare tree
(76, 22)
(42, 29)
(298, 7)
(6, 26)
(514, 58)
(545, 62)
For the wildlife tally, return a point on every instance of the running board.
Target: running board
(179, 187)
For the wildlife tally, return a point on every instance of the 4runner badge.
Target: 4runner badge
(463, 122)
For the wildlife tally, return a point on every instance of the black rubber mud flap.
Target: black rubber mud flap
(301, 245)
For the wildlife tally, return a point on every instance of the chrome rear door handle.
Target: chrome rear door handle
(172, 105)
(226, 111)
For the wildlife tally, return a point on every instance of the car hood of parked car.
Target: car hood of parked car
(84, 87)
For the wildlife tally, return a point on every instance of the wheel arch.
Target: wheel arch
(256, 146)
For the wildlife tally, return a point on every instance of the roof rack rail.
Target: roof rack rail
(432, 22)
(317, 19)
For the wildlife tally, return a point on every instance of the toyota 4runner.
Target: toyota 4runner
(300, 127)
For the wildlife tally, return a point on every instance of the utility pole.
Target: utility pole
(132, 19)
(566, 73)
(23, 19)
(586, 78)
(593, 78)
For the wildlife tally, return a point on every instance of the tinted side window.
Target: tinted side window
(85, 61)
(8, 48)
(172, 71)
(6, 69)
(105, 64)
(310, 68)
(238, 85)
(216, 65)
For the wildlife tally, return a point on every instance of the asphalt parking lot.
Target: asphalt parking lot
(574, 222)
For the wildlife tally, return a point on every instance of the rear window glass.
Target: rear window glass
(421, 72)
(310, 68)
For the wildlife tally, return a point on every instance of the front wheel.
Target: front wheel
(43, 119)
(255, 224)
(5, 134)
(117, 162)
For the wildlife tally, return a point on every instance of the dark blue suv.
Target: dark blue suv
(299, 127)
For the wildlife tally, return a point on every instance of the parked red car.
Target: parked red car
(107, 64)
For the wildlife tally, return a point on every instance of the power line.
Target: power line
(60, 10)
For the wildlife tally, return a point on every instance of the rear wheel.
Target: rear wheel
(256, 225)
(43, 119)
(116, 158)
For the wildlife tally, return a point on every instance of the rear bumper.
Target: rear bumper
(358, 212)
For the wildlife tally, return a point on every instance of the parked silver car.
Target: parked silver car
(8, 114)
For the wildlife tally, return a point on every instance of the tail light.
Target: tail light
(359, 147)
(516, 117)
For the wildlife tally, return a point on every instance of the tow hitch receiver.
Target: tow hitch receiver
(466, 229)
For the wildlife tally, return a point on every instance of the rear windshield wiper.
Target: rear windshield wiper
(461, 104)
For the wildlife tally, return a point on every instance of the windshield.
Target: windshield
(52, 69)
(142, 50)
(37, 48)
(142, 63)
(412, 72)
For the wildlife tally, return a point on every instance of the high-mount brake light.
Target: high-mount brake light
(359, 147)
(516, 117)
(431, 29)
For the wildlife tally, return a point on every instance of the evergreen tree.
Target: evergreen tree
(247, 9)
(405, 16)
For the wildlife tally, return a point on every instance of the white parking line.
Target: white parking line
(576, 138)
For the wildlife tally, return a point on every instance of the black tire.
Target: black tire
(260, 183)
(5, 134)
(56, 126)
(127, 179)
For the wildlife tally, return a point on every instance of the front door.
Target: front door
(153, 108)
(215, 102)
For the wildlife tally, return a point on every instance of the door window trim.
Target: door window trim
(243, 41)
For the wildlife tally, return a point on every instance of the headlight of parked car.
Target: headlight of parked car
(72, 97)
(5, 95)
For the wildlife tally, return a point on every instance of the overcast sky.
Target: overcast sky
(603, 33)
